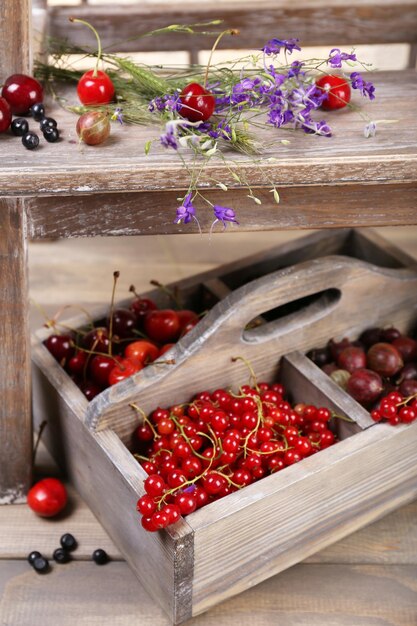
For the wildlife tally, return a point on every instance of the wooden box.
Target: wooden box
(321, 286)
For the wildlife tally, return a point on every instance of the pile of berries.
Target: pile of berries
(120, 346)
(63, 555)
(220, 442)
(22, 95)
(379, 370)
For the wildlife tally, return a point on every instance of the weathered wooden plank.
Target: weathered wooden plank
(15, 34)
(15, 413)
(305, 595)
(154, 213)
(319, 22)
(273, 522)
(347, 159)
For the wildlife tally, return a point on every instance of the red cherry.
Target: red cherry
(188, 319)
(165, 348)
(197, 103)
(338, 91)
(61, 347)
(76, 364)
(47, 497)
(123, 323)
(90, 390)
(99, 369)
(162, 325)
(141, 352)
(21, 91)
(141, 307)
(95, 87)
(122, 370)
(97, 339)
(5, 115)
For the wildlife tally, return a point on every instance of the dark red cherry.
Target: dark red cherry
(162, 325)
(197, 103)
(141, 307)
(337, 89)
(61, 347)
(123, 323)
(21, 92)
(90, 390)
(97, 340)
(99, 369)
(5, 115)
(77, 363)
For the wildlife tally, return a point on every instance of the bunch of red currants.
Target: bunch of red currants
(197, 453)
(120, 346)
(379, 371)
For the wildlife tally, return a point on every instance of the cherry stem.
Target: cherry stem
(75, 20)
(113, 293)
(229, 31)
(38, 438)
(343, 417)
(171, 293)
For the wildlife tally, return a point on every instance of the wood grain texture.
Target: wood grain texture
(305, 595)
(357, 487)
(347, 160)
(15, 413)
(152, 213)
(319, 22)
(108, 477)
(15, 37)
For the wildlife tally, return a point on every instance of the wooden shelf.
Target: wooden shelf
(144, 188)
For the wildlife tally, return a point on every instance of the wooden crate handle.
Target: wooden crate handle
(366, 294)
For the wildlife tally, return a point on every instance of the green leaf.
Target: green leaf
(148, 146)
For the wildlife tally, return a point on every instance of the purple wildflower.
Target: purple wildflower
(185, 212)
(278, 117)
(318, 128)
(295, 69)
(274, 46)
(336, 57)
(169, 139)
(167, 102)
(118, 115)
(370, 130)
(223, 214)
(365, 87)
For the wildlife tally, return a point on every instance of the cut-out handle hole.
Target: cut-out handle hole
(285, 317)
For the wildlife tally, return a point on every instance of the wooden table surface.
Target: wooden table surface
(368, 579)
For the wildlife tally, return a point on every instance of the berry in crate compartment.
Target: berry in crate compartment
(378, 369)
(220, 442)
(130, 337)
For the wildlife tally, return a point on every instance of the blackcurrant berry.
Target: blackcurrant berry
(19, 126)
(100, 556)
(47, 122)
(30, 140)
(41, 565)
(51, 134)
(33, 556)
(68, 542)
(61, 556)
(38, 111)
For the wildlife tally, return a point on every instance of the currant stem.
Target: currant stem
(145, 419)
(250, 368)
(75, 20)
(229, 31)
